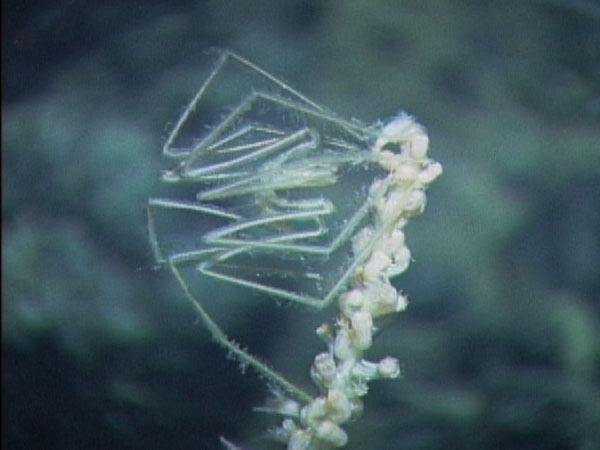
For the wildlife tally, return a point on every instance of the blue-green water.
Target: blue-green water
(500, 346)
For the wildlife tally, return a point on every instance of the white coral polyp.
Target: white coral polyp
(342, 372)
(362, 328)
(389, 368)
(332, 434)
(352, 301)
(376, 265)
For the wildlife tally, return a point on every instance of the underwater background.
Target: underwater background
(500, 346)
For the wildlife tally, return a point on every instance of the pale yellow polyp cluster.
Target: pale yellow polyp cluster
(341, 373)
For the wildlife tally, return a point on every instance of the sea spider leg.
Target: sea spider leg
(357, 132)
(226, 55)
(241, 157)
(243, 356)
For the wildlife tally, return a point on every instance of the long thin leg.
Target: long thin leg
(243, 356)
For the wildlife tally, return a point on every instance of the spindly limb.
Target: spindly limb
(240, 354)
(170, 151)
(222, 247)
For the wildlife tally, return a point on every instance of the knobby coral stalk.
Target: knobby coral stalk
(341, 373)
